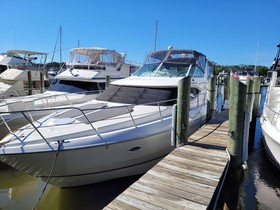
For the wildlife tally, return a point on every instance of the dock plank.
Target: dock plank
(186, 178)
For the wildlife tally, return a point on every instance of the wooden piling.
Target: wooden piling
(226, 88)
(211, 98)
(257, 92)
(255, 112)
(29, 83)
(236, 121)
(247, 118)
(183, 108)
(42, 85)
(108, 81)
(237, 100)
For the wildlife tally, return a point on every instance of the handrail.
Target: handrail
(6, 94)
(43, 97)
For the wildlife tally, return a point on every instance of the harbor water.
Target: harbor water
(259, 187)
(260, 183)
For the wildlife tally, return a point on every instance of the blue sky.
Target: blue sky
(228, 32)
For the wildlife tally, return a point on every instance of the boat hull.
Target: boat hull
(272, 145)
(83, 166)
(100, 162)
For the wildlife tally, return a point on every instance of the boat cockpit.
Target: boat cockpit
(173, 63)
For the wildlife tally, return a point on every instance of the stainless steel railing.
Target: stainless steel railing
(28, 116)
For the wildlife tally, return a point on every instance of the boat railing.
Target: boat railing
(86, 115)
(17, 93)
(46, 101)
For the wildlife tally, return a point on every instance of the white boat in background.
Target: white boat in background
(270, 119)
(84, 77)
(14, 68)
(87, 69)
(125, 131)
(244, 74)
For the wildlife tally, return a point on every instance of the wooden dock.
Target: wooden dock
(189, 177)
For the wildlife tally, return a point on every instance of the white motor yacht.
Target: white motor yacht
(14, 68)
(270, 119)
(125, 131)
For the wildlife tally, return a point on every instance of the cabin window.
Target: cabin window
(3, 68)
(194, 93)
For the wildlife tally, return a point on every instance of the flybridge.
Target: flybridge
(22, 57)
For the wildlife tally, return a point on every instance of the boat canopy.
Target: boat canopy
(26, 52)
(95, 56)
(191, 57)
(22, 57)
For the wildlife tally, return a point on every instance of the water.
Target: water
(259, 187)
(19, 191)
(260, 184)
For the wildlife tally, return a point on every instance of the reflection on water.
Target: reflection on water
(20, 191)
(260, 186)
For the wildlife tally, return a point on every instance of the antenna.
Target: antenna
(155, 47)
(60, 54)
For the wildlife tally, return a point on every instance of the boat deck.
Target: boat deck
(189, 177)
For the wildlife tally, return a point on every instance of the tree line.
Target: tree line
(260, 70)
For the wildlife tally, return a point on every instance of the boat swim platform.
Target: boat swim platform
(190, 177)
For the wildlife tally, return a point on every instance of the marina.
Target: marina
(153, 105)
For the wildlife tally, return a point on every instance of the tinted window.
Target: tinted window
(76, 86)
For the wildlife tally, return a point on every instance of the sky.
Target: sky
(228, 32)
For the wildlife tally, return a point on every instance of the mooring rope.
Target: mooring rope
(49, 177)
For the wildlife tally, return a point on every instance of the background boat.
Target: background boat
(14, 68)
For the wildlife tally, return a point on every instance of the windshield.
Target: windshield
(163, 70)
